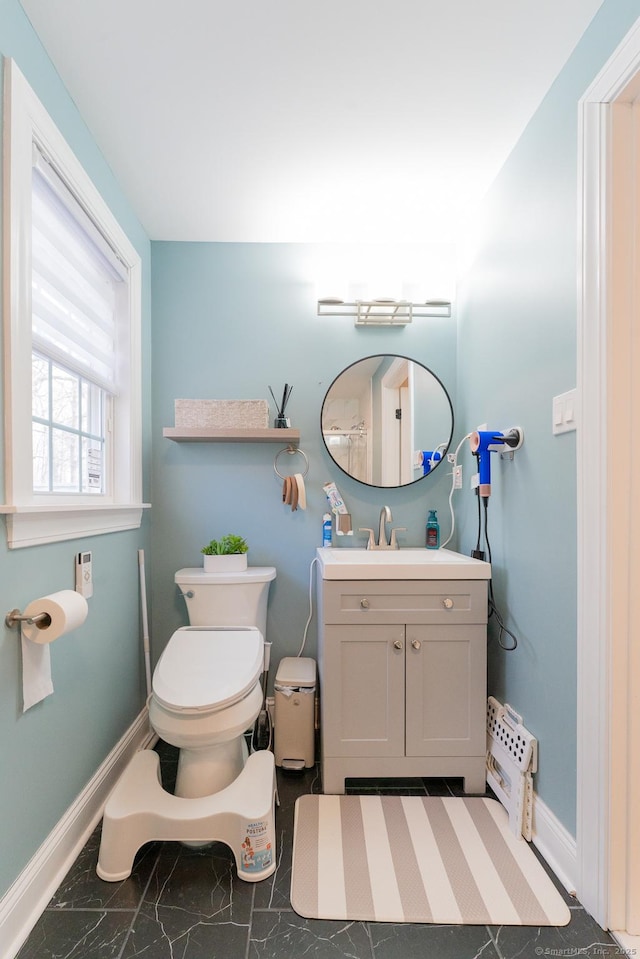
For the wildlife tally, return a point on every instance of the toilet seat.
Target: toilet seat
(204, 669)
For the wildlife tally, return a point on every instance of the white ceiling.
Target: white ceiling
(307, 120)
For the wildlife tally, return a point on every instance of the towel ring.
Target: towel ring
(291, 450)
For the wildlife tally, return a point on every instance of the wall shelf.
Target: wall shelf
(184, 434)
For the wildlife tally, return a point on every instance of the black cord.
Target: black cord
(493, 609)
(477, 549)
(485, 503)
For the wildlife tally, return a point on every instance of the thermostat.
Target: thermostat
(84, 575)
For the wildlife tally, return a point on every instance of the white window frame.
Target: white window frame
(34, 518)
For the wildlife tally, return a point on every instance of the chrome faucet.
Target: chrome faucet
(383, 542)
(385, 517)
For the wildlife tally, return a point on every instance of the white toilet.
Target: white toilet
(206, 690)
(206, 694)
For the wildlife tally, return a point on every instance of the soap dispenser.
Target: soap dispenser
(433, 530)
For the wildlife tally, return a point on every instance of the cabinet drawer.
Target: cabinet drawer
(358, 602)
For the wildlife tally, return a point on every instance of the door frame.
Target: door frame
(396, 444)
(608, 739)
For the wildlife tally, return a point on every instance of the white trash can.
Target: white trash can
(295, 695)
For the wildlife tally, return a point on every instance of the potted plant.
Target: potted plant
(227, 554)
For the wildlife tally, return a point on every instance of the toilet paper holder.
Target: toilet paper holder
(15, 617)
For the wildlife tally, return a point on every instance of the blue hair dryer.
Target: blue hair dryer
(430, 459)
(484, 442)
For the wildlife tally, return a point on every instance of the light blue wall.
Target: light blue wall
(517, 349)
(50, 752)
(229, 321)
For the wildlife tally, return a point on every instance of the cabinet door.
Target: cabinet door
(446, 690)
(363, 691)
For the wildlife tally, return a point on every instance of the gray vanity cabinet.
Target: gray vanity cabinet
(402, 668)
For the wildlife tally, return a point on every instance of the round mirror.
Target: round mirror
(387, 421)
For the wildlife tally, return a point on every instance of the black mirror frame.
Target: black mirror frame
(394, 356)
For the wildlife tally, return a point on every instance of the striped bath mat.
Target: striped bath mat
(417, 859)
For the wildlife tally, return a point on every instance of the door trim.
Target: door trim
(397, 442)
(604, 333)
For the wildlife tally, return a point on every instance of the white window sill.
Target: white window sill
(34, 525)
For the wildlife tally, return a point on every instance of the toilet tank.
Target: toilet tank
(227, 599)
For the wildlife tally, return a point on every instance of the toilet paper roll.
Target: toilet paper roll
(36, 673)
(66, 610)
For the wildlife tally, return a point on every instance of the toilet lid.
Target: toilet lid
(208, 669)
(195, 575)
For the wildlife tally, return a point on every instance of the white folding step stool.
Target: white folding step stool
(512, 758)
(242, 815)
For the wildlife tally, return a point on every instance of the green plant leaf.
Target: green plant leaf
(226, 545)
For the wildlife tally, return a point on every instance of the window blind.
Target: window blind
(76, 280)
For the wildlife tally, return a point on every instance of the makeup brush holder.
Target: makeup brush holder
(282, 423)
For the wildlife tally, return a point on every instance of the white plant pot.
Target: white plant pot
(229, 563)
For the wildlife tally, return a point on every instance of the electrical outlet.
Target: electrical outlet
(457, 477)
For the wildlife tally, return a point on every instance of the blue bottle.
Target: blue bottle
(433, 530)
(326, 529)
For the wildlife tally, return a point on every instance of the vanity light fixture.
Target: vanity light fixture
(383, 312)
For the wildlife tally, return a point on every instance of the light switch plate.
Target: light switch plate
(565, 412)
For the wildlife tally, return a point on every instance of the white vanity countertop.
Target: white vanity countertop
(354, 563)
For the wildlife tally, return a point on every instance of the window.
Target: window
(68, 434)
(72, 367)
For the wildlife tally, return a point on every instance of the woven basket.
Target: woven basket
(222, 414)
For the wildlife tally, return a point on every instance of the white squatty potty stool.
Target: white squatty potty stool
(139, 810)
(206, 695)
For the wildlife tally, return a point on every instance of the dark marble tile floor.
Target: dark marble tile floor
(181, 903)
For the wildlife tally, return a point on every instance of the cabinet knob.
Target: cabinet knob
(364, 603)
(397, 644)
(447, 603)
(416, 643)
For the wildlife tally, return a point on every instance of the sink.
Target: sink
(347, 563)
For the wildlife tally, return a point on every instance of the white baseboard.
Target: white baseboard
(629, 944)
(25, 900)
(556, 845)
